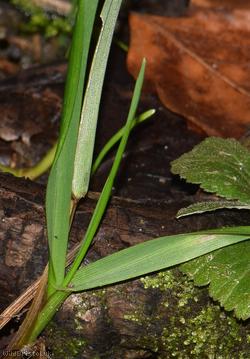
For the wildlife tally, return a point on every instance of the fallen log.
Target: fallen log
(161, 315)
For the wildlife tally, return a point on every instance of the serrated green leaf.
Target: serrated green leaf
(208, 206)
(227, 271)
(221, 166)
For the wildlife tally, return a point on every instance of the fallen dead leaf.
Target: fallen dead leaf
(223, 4)
(198, 65)
(8, 67)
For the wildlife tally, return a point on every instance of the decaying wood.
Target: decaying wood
(127, 222)
(126, 318)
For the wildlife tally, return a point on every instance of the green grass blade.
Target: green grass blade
(33, 172)
(76, 75)
(116, 138)
(57, 298)
(241, 230)
(106, 192)
(149, 257)
(90, 110)
(126, 263)
(58, 195)
(45, 163)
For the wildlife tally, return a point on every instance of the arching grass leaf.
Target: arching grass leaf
(152, 256)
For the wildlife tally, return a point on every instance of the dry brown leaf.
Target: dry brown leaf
(8, 67)
(225, 4)
(199, 66)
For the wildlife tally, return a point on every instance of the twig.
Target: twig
(15, 307)
(18, 304)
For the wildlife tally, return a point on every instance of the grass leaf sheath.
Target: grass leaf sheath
(91, 103)
(58, 195)
(60, 295)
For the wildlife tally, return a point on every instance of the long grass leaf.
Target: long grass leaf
(72, 100)
(58, 195)
(90, 109)
(106, 192)
(56, 299)
(117, 136)
(149, 257)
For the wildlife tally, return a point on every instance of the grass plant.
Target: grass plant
(69, 180)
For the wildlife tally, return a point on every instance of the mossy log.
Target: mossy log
(159, 316)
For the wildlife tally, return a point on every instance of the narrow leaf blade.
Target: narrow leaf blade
(72, 100)
(90, 109)
(58, 195)
(106, 192)
(150, 256)
(117, 136)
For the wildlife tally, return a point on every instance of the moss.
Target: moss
(198, 327)
(64, 345)
(59, 337)
(75, 311)
(162, 280)
(41, 21)
(183, 289)
(201, 336)
(83, 304)
(133, 317)
(176, 320)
